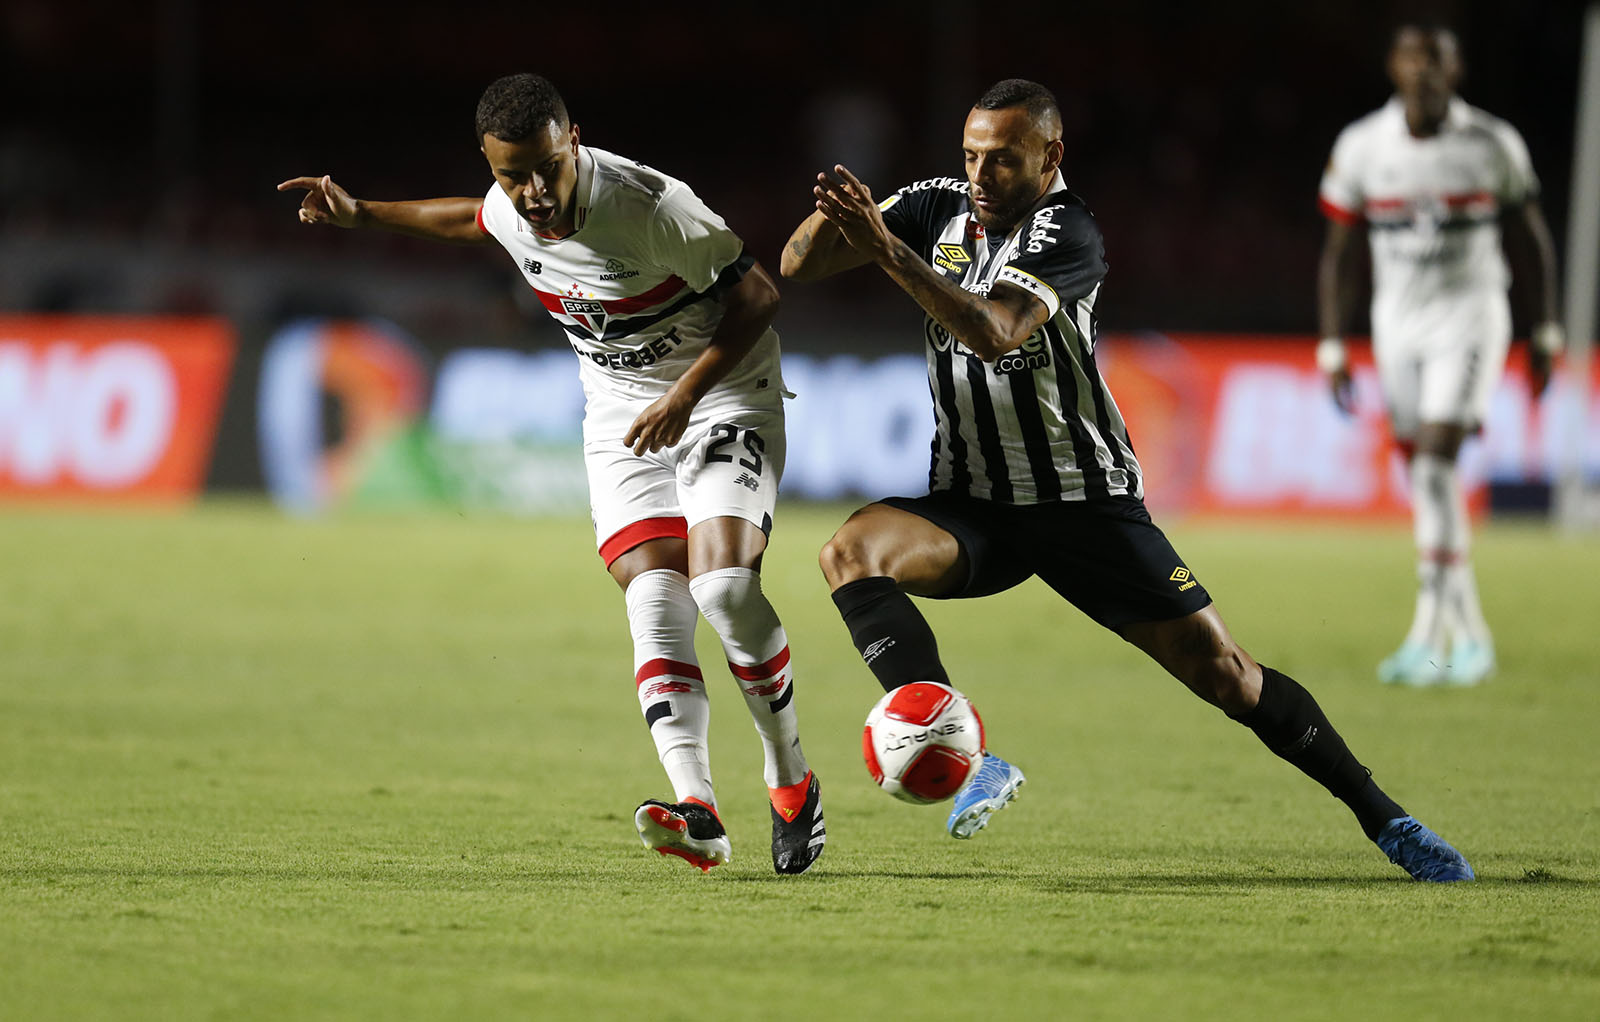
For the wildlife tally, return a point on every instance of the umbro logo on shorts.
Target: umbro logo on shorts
(1181, 575)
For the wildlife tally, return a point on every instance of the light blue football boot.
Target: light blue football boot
(994, 785)
(1414, 663)
(1471, 661)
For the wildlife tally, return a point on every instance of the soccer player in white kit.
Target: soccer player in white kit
(1438, 185)
(683, 431)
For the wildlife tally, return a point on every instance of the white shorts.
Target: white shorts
(728, 464)
(1448, 376)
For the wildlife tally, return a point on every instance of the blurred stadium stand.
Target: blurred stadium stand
(140, 148)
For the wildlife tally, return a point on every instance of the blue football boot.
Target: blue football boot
(994, 785)
(1421, 852)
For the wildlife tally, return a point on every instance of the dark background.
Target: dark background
(140, 142)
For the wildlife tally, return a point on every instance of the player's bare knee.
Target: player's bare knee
(843, 558)
(1229, 683)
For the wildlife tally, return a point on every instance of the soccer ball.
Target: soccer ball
(922, 742)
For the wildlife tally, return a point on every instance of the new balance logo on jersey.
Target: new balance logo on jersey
(748, 481)
(876, 649)
(533, 266)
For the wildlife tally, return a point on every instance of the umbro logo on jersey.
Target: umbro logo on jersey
(876, 649)
(954, 258)
(1181, 575)
(533, 266)
(748, 481)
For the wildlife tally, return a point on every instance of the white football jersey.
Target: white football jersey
(634, 286)
(1432, 208)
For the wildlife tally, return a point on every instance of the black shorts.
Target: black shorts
(1106, 556)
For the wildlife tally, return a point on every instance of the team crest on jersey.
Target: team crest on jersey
(582, 306)
(951, 257)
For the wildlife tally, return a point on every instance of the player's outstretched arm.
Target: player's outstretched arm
(748, 309)
(818, 249)
(989, 326)
(1336, 295)
(452, 220)
(1532, 255)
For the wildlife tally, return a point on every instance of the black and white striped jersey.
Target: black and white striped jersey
(1036, 424)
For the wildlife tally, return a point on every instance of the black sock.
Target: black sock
(892, 635)
(1290, 723)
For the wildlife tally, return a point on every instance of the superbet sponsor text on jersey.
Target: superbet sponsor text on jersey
(635, 286)
(1431, 205)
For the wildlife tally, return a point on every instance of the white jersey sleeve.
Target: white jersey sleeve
(690, 240)
(1518, 182)
(1341, 195)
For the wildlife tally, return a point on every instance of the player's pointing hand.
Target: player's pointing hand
(848, 205)
(324, 203)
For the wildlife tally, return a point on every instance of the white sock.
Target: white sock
(758, 654)
(1439, 512)
(1461, 589)
(1442, 536)
(672, 693)
(1428, 620)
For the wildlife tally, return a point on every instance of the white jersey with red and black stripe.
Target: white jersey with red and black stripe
(1432, 208)
(635, 287)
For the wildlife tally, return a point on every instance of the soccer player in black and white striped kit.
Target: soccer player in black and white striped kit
(1033, 472)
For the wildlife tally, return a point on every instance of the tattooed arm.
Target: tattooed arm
(989, 326)
(817, 249)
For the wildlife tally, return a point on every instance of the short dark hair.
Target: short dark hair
(1039, 101)
(518, 107)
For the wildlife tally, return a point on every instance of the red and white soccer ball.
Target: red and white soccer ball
(922, 742)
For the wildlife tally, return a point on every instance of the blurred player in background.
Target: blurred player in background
(683, 429)
(1033, 471)
(1436, 184)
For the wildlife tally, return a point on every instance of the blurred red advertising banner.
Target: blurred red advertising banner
(1231, 424)
(110, 408)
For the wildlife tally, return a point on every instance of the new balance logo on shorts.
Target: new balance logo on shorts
(747, 480)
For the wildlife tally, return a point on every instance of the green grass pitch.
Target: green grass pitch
(383, 767)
